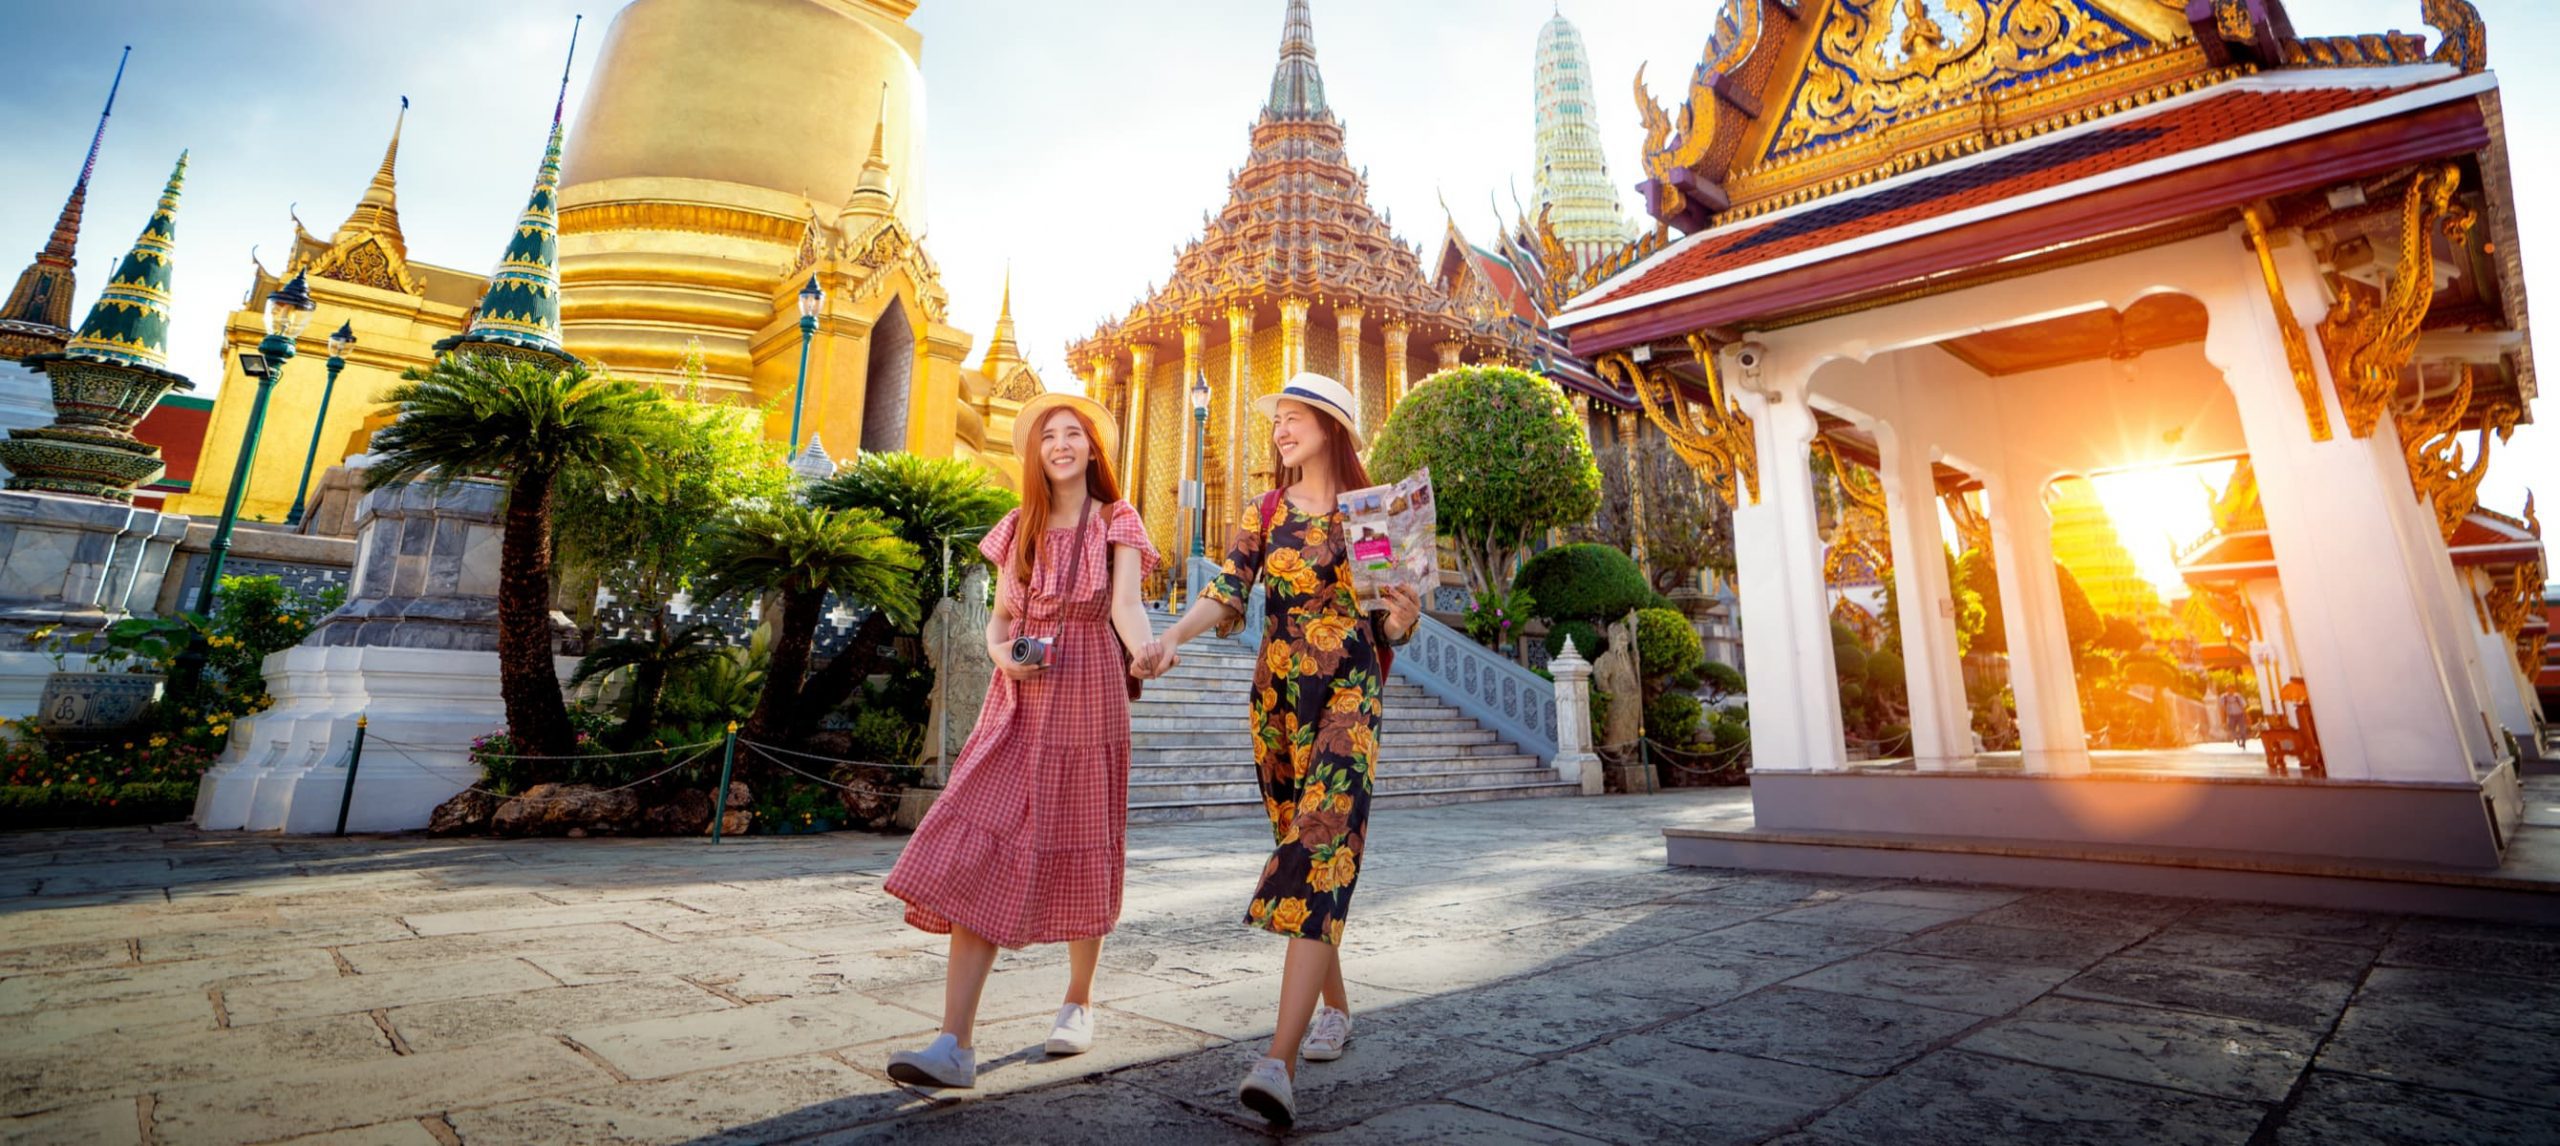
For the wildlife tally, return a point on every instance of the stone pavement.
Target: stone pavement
(1523, 972)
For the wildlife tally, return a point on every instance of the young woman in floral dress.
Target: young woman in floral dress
(1027, 843)
(1316, 691)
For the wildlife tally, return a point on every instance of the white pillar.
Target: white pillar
(1786, 618)
(1575, 762)
(2051, 738)
(1933, 669)
(2390, 689)
(2497, 654)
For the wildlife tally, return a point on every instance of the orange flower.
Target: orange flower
(1327, 632)
(1279, 659)
(1364, 746)
(1289, 915)
(1334, 871)
(1333, 932)
(1313, 799)
(1346, 698)
(1342, 802)
(1290, 566)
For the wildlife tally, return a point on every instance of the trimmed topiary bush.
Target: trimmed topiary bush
(1723, 679)
(1666, 646)
(1585, 582)
(1587, 639)
(1672, 718)
(1508, 461)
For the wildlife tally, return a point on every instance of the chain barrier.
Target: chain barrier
(712, 743)
(768, 752)
(470, 786)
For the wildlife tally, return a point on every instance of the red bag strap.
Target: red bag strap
(1075, 565)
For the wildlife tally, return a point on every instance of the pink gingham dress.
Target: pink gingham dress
(1027, 843)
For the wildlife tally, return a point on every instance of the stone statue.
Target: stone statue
(1615, 674)
(955, 643)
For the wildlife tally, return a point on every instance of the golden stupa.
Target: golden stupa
(697, 198)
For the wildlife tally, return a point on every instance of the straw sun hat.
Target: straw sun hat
(1318, 393)
(1026, 424)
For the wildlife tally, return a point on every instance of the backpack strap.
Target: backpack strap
(1270, 509)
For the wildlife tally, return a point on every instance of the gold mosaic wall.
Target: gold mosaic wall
(1165, 452)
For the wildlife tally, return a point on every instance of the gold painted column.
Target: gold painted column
(1293, 339)
(1346, 355)
(1448, 354)
(1142, 372)
(1183, 454)
(1630, 429)
(1395, 331)
(1240, 433)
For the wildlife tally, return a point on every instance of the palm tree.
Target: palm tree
(802, 553)
(651, 658)
(941, 506)
(525, 425)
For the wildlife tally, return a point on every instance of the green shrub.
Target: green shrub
(1508, 461)
(1666, 645)
(1497, 617)
(95, 805)
(1729, 727)
(1672, 718)
(1587, 639)
(1723, 679)
(1849, 663)
(884, 737)
(1585, 582)
(1884, 672)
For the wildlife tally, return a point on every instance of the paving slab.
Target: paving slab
(1433, 1123)
(1642, 1089)
(657, 1048)
(1956, 1097)
(2229, 1058)
(128, 1064)
(1870, 915)
(363, 1095)
(47, 990)
(2306, 1002)
(342, 994)
(751, 1103)
(1850, 1034)
(1012, 1055)
(2340, 1108)
(2471, 1058)
(114, 1122)
(410, 951)
(466, 1022)
(2463, 997)
(1244, 1009)
(1385, 1068)
(1100, 1112)
(1967, 985)
(2271, 954)
(2072, 949)
(1540, 1015)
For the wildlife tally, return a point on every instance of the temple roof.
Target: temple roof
(520, 314)
(1297, 88)
(129, 324)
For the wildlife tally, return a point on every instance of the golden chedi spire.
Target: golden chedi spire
(378, 212)
(1002, 350)
(875, 194)
(37, 317)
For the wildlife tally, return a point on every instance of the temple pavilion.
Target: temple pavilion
(1979, 248)
(1296, 272)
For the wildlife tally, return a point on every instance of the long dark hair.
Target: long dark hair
(1099, 484)
(1338, 445)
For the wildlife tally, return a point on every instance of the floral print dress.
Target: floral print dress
(1316, 693)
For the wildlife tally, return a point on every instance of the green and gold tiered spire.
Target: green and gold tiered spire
(114, 370)
(37, 316)
(520, 315)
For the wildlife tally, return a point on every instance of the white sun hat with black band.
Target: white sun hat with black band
(1319, 393)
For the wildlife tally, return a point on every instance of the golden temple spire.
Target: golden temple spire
(1297, 88)
(378, 213)
(1002, 350)
(874, 194)
(38, 311)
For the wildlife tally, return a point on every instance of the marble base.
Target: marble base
(75, 562)
(26, 400)
(285, 769)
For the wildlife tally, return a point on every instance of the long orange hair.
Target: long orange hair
(1099, 484)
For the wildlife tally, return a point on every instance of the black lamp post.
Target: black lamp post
(339, 344)
(289, 309)
(811, 298)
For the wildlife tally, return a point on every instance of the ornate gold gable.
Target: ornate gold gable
(359, 257)
(1796, 99)
(875, 255)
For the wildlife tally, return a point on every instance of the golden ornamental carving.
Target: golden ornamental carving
(2231, 21)
(1674, 144)
(1973, 525)
(2463, 41)
(1861, 541)
(2297, 348)
(1560, 277)
(365, 262)
(1874, 61)
(2431, 445)
(2370, 336)
(1714, 437)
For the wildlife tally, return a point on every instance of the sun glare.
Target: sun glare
(2156, 511)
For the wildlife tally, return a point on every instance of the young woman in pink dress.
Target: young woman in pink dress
(1027, 842)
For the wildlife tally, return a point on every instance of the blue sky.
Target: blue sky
(1077, 143)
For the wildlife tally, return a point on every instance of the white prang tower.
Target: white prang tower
(1572, 175)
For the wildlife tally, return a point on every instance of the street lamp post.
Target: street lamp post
(1199, 472)
(810, 299)
(339, 344)
(289, 309)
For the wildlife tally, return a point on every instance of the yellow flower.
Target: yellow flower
(1364, 745)
(1342, 802)
(1279, 660)
(1327, 632)
(1333, 872)
(1289, 915)
(1313, 799)
(159, 741)
(1258, 910)
(1346, 698)
(1290, 566)
(1333, 932)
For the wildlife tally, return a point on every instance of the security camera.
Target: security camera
(1749, 355)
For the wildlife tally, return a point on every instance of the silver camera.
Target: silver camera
(1030, 652)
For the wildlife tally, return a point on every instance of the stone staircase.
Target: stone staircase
(1191, 757)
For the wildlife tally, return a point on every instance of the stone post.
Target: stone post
(1293, 337)
(1241, 430)
(1398, 364)
(1575, 762)
(1630, 440)
(1346, 356)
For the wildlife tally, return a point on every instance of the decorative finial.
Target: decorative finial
(40, 303)
(129, 324)
(575, 23)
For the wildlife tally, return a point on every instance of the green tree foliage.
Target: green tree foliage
(528, 426)
(1673, 718)
(1722, 680)
(1970, 616)
(652, 658)
(802, 553)
(2080, 620)
(1666, 647)
(938, 506)
(1686, 527)
(1508, 462)
(1588, 641)
(1976, 573)
(1584, 581)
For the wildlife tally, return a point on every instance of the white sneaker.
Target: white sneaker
(1265, 1091)
(1326, 1036)
(1073, 1032)
(943, 1063)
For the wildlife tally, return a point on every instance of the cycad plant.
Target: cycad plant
(652, 657)
(941, 506)
(525, 425)
(801, 553)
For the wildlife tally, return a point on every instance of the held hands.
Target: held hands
(1153, 660)
(1404, 611)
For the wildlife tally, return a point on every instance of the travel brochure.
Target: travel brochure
(1394, 538)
